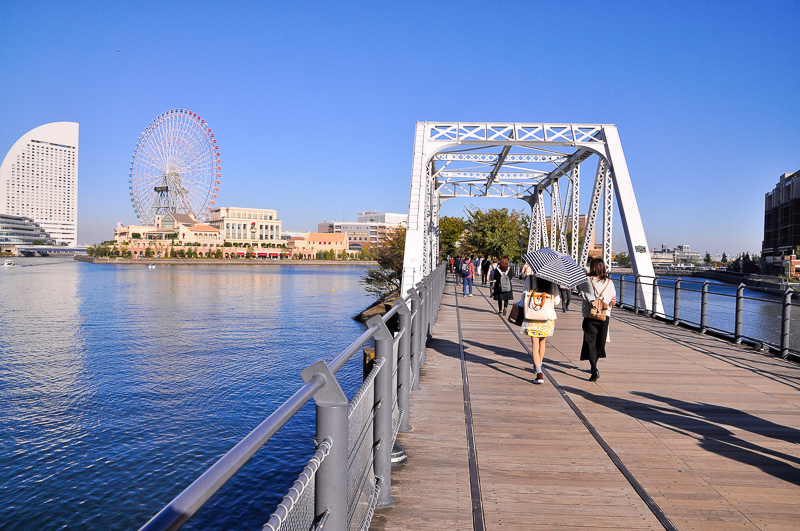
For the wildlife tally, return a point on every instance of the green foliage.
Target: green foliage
(389, 253)
(450, 231)
(494, 232)
(136, 236)
(724, 258)
(148, 253)
(38, 242)
(623, 259)
(218, 254)
(227, 244)
(707, 258)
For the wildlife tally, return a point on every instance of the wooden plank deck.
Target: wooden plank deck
(710, 430)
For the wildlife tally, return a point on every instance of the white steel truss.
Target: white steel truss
(523, 161)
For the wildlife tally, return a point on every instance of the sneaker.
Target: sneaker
(470, 295)
(540, 378)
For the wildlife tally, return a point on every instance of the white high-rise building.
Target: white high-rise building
(39, 180)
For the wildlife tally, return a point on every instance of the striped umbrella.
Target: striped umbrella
(556, 267)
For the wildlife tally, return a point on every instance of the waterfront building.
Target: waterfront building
(39, 180)
(681, 254)
(256, 226)
(781, 220)
(21, 230)
(594, 248)
(371, 228)
(382, 217)
(315, 242)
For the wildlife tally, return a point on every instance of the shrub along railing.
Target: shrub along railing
(714, 309)
(350, 472)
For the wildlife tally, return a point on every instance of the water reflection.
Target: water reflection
(121, 384)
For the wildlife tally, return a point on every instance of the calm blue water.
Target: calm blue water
(762, 312)
(119, 385)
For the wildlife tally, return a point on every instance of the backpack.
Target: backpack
(505, 283)
(465, 269)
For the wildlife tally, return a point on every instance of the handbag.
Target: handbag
(598, 308)
(516, 315)
(539, 306)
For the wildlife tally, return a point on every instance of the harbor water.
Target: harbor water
(120, 385)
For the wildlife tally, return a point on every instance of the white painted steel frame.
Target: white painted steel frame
(455, 160)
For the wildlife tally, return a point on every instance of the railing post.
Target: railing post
(415, 335)
(384, 402)
(737, 330)
(621, 291)
(654, 313)
(422, 339)
(331, 480)
(785, 322)
(403, 363)
(637, 288)
(704, 308)
(676, 307)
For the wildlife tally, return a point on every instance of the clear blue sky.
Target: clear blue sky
(314, 104)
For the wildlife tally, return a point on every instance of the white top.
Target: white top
(594, 287)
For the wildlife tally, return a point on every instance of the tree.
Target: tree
(148, 253)
(218, 254)
(623, 259)
(136, 236)
(450, 231)
(724, 258)
(495, 232)
(707, 258)
(389, 253)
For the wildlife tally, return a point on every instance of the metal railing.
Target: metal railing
(350, 473)
(693, 301)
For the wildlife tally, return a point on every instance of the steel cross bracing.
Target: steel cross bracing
(524, 161)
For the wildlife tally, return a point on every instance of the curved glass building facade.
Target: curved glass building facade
(39, 180)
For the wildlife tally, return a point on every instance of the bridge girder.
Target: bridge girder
(522, 161)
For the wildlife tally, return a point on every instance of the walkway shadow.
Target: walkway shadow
(450, 348)
(699, 421)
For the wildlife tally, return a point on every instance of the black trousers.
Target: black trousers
(566, 295)
(595, 334)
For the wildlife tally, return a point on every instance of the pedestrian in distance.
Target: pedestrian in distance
(543, 295)
(492, 270)
(468, 274)
(457, 270)
(595, 330)
(450, 264)
(566, 295)
(502, 291)
(485, 265)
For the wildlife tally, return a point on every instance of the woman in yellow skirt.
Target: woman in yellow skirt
(540, 330)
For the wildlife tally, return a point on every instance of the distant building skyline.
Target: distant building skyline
(39, 180)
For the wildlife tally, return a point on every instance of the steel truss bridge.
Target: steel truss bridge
(537, 163)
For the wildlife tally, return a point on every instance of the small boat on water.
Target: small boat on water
(8, 263)
(151, 266)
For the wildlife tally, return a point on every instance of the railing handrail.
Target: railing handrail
(736, 334)
(186, 504)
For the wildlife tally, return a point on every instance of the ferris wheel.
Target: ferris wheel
(175, 167)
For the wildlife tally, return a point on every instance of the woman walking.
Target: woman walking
(539, 329)
(502, 291)
(595, 331)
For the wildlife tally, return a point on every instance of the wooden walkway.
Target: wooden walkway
(710, 430)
